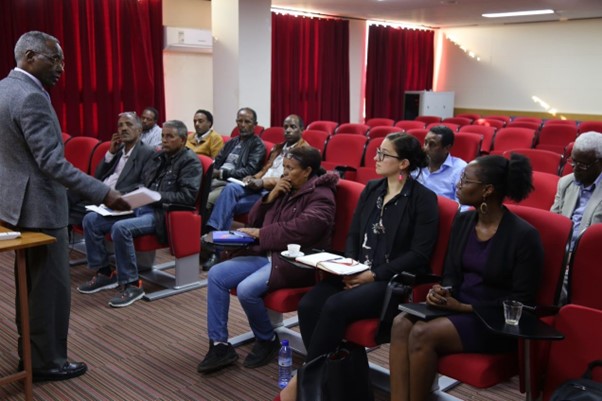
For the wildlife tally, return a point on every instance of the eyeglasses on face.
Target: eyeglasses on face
(464, 180)
(380, 155)
(580, 165)
(56, 59)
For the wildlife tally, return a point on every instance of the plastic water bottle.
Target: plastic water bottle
(285, 364)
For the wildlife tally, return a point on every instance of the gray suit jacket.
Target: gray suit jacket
(567, 197)
(131, 175)
(34, 174)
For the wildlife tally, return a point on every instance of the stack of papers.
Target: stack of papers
(333, 263)
(140, 197)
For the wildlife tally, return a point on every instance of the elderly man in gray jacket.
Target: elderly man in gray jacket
(34, 176)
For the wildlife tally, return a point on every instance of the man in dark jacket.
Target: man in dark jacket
(176, 174)
(240, 157)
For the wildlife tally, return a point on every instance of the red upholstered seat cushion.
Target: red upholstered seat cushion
(480, 370)
(363, 332)
(284, 300)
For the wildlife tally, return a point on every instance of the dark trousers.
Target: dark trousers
(327, 309)
(49, 287)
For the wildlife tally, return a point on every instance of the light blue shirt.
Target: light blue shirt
(443, 181)
(585, 195)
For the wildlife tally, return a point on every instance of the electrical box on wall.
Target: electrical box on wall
(187, 40)
(427, 103)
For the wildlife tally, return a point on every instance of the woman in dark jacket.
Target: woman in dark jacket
(492, 255)
(394, 229)
(300, 209)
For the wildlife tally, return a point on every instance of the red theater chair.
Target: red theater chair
(467, 146)
(344, 153)
(273, 134)
(316, 139)
(380, 132)
(587, 126)
(545, 186)
(470, 116)
(363, 332)
(486, 370)
(459, 121)
(541, 160)
(78, 151)
(352, 128)
(585, 274)
(407, 125)
(418, 133)
(257, 130)
(380, 122)
(512, 138)
(324, 125)
(97, 155)
(367, 171)
(428, 119)
(453, 127)
(487, 132)
(554, 137)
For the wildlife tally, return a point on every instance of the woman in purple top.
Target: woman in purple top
(492, 255)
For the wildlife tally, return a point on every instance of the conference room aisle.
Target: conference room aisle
(150, 350)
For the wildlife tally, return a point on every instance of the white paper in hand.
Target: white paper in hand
(141, 197)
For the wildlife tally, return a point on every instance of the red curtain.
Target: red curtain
(113, 57)
(310, 68)
(399, 60)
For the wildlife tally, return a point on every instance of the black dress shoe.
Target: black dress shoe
(68, 371)
(213, 260)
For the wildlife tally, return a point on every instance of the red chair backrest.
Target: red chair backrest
(453, 127)
(585, 274)
(587, 126)
(524, 124)
(555, 137)
(568, 359)
(460, 121)
(505, 119)
(370, 152)
(555, 231)
(447, 212)
(66, 137)
(407, 125)
(380, 122)
(418, 133)
(268, 148)
(323, 125)
(365, 174)
(489, 122)
(78, 151)
(541, 160)
(512, 138)
(347, 196)
(535, 120)
(257, 131)
(345, 149)
(487, 132)
(205, 188)
(572, 123)
(471, 116)
(545, 186)
(273, 134)
(380, 132)
(316, 139)
(352, 128)
(467, 146)
(97, 155)
(428, 119)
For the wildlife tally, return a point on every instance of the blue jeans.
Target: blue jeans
(249, 275)
(233, 200)
(123, 229)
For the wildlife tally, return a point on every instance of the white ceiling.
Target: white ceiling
(446, 13)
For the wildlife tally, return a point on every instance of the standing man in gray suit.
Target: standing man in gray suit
(33, 179)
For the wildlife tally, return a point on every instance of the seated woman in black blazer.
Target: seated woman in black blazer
(394, 229)
(492, 255)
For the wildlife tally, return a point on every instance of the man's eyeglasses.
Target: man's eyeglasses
(380, 155)
(580, 165)
(56, 59)
(463, 180)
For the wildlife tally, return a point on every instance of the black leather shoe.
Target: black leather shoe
(68, 371)
(213, 260)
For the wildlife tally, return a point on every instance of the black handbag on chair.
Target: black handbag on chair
(339, 376)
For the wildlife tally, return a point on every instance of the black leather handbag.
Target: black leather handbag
(581, 389)
(339, 376)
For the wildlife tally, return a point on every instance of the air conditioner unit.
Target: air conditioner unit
(188, 40)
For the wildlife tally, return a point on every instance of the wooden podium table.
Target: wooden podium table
(26, 240)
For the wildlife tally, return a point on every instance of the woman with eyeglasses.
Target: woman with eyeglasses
(300, 209)
(394, 229)
(492, 255)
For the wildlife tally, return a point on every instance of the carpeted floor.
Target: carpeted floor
(150, 350)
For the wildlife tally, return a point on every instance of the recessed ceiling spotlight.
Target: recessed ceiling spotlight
(518, 13)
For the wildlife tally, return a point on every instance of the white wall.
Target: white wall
(558, 62)
(188, 76)
(357, 69)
